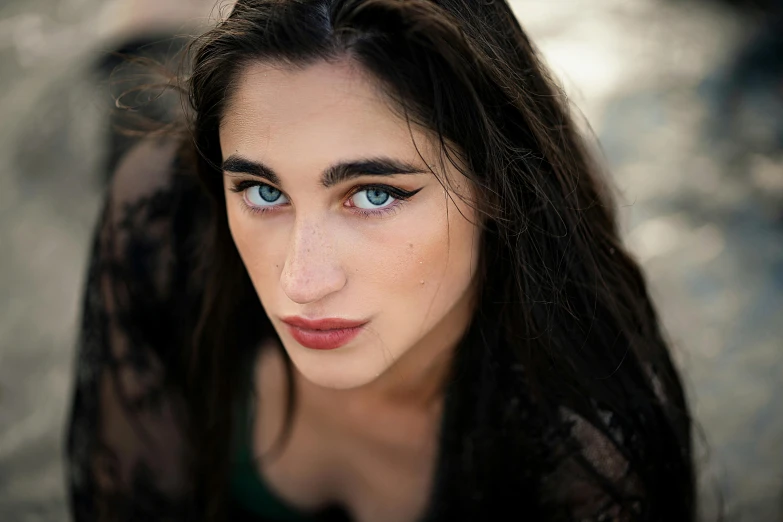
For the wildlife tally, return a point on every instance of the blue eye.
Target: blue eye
(264, 196)
(372, 198)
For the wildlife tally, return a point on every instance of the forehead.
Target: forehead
(333, 108)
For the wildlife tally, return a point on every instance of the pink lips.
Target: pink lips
(323, 334)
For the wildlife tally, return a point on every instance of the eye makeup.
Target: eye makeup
(398, 196)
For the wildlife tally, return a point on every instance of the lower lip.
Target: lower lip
(324, 339)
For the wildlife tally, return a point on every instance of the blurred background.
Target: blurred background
(684, 96)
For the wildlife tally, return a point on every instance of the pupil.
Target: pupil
(268, 193)
(377, 197)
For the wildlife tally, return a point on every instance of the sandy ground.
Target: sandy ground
(703, 217)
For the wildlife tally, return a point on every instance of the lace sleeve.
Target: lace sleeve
(125, 447)
(596, 481)
(583, 492)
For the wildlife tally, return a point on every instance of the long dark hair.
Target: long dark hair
(562, 308)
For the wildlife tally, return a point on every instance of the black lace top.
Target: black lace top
(127, 455)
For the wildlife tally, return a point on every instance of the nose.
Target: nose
(312, 269)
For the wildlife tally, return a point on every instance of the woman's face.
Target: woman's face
(360, 257)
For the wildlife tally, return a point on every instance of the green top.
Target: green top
(249, 490)
(255, 498)
(247, 486)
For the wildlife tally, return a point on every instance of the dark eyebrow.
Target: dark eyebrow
(333, 175)
(367, 167)
(240, 165)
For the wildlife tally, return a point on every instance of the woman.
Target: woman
(396, 294)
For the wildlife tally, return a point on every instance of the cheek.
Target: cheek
(402, 255)
(447, 258)
(424, 263)
(261, 249)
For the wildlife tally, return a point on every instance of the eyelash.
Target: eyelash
(401, 196)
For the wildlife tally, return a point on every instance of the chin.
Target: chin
(333, 370)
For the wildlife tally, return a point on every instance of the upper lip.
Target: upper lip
(327, 323)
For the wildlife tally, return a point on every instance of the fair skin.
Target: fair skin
(398, 256)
